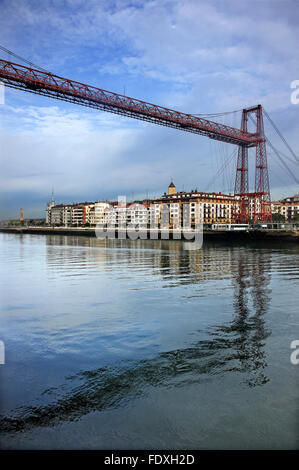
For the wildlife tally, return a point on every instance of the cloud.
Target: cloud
(194, 56)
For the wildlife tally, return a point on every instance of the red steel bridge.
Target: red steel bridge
(45, 83)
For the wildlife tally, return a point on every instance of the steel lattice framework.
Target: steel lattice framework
(45, 83)
(241, 181)
(260, 199)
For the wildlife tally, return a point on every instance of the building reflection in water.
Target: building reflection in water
(234, 346)
(244, 338)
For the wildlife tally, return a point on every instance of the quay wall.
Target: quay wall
(251, 235)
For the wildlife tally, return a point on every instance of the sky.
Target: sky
(196, 56)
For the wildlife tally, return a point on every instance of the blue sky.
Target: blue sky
(192, 55)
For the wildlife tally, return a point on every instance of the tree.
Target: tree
(278, 218)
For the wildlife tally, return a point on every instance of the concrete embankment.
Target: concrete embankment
(264, 235)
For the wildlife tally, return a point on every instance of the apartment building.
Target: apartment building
(172, 210)
(56, 217)
(138, 214)
(97, 213)
(68, 214)
(49, 207)
(80, 213)
(288, 207)
(192, 208)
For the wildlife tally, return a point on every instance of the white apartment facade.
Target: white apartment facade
(135, 214)
(97, 213)
(287, 207)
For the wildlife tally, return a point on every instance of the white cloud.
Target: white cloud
(195, 56)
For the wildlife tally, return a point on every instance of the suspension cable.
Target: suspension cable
(278, 155)
(282, 160)
(217, 114)
(22, 58)
(281, 136)
(221, 170)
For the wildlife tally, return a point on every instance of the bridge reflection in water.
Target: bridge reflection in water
(237, 345)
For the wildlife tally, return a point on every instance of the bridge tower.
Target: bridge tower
(260, 198)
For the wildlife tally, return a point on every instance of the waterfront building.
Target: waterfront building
(275, 207)
(77, 214)
(80, 213)
(254, 207)
(116, 214)
(171, 188)
(48, 210)
(56, 214)
(97, 213)
(288, 207)
(66, 215)
(139, 214)
(172, 210)
(194, 207)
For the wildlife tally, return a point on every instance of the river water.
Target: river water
(120, 344)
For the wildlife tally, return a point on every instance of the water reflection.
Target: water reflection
(236, 346)
(161, 258)
(243, 338)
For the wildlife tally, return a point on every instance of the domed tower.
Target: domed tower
(171, 188)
